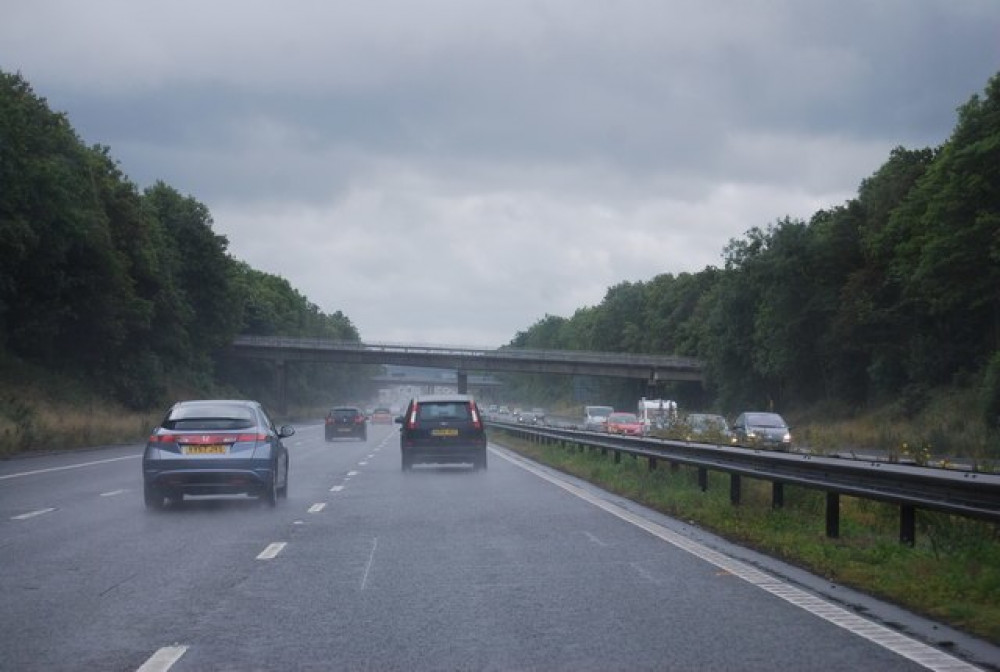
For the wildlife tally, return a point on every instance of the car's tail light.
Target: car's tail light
(476, 422)
(358, 419)
(411, 423)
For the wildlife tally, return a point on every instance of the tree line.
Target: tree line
(886, 297)
(130, 289)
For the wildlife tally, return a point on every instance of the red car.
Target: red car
(624, 423)
(381, 416)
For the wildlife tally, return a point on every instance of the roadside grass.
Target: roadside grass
(952, 574)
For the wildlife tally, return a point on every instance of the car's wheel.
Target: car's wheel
(270, 494)
(283, 490)
(481, 461)
(153, 497)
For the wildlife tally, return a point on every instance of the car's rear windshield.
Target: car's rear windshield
(443, 410)
(210, 416)
(623, 417)
(344, 412)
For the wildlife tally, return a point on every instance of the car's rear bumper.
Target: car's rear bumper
(198, 478)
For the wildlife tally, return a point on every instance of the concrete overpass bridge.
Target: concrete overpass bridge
(651, 368)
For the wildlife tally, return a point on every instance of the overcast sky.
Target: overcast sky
(449, 172)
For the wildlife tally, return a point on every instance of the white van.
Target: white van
(595, 417)
(656, 413)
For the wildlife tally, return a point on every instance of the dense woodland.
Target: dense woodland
(130, 289)
(883, 298)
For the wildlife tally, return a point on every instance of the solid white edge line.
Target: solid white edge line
(164, 659)
(900, 644)
(32, 514)
(68, 466)
(272, 550)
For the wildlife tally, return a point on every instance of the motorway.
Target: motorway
(365, 567)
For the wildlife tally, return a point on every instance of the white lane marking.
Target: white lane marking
(39, 512)
(316, 508)
(368, 567)
(594, 538)
(363, 463)
(336, 488)
(68, 466)
(113, 493)
(351, 473)
(164, 659)
(899, 644)
(371, 456)
(272, 550)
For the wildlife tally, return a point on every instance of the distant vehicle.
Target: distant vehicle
(381, 416)
(761, 430)
(535, 416)
(503, 410)
(215, 447)
(656, 413)
(346, 422)
(625, 423)
(594, 417)
(442, 429)
(706, 427)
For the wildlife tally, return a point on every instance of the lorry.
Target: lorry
(656, 413)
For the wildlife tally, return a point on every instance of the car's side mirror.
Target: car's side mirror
(286, 431)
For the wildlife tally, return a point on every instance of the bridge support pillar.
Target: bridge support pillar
(463, 382)
(281, 371)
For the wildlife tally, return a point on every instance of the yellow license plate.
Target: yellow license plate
(205, 450)
(448, 431)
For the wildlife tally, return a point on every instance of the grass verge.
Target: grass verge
(952, 574)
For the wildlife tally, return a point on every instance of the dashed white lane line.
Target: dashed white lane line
(351, 473)
(164, 659)
(316, 508)
(68, 466)
(272, 550)
(899, 644)
(113, 493)
(336, 488)
(32, 514)
(363, 463)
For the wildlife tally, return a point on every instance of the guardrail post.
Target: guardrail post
(777, 495)
(652, 464)
(618, 457)
(734, 489)
(703, 478)
(833, 515)
(907, 524)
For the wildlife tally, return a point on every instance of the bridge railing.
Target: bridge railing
(499, 353)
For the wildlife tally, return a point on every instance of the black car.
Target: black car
(442, 429)
(215, 447)
(346, 422)
(761, 430)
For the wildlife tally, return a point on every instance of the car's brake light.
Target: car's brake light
(412, 422)
(358, 419)
(475, 416)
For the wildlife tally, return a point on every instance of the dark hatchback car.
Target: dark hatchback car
(346, 422)
(215, 447)
(761, 430)
(441, 429)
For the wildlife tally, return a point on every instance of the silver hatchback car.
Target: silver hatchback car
(215, 447)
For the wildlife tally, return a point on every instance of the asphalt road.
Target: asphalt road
(364, 567)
